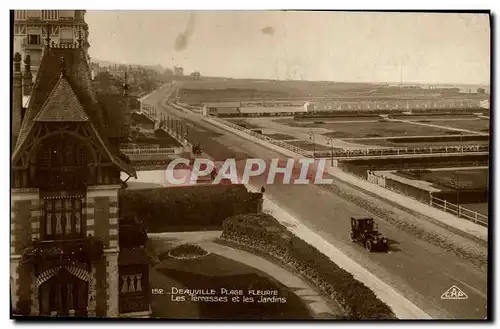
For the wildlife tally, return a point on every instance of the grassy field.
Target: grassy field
(464, 179)
(280, 136)
(218, 90)
(480, 125)
(368, 129)
(389, 143)
(243, 123)
(482, 208)
(417, 117)
(244, 89)
(309, 146)
(216, 272)
(339, 119)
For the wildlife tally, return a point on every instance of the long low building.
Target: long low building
(397, 104)
(256, 107)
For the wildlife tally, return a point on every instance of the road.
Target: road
(417, 267)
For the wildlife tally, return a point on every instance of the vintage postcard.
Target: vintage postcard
(249, 165)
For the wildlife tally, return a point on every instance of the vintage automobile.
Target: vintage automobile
(364, 231)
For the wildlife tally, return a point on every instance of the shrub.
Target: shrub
(187, 251)
(263, 233)
(188, 207)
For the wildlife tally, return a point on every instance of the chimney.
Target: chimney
(17, 97)
(27, 76)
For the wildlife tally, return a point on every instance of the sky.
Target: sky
(447, 48)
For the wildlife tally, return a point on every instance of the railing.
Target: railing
(360, 152)
(265, 138)
(459, 211)
(159, 150)
(455, 149)
(66, 41)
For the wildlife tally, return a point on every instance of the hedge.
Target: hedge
(188, 207)
(262, 233)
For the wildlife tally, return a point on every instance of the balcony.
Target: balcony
(62, 252)
(67, 41)
(31, 45)
(66, 178)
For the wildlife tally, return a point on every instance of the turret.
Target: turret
(27, 76)
(17, 97)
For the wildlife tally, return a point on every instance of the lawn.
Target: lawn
(214, 90)
(464, 179)
(280, 136)
(373, 129)
(415, 143)
(333, 119)
(480, 125)
(309, 146)
(216, 272)
(481, 208)
(416, 117)
(244, 124)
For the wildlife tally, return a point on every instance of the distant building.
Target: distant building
(65, 27)
(221, 108)
(195, 75)
(485, 104)
(179, 71)
(257, 107)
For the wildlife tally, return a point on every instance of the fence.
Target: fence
(336, 153)
(459, 211)
(152, 150)
(265, 138)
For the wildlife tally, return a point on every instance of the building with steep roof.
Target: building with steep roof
(66, 255)
(31, 26)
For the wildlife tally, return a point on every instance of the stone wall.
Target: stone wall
(25, 223)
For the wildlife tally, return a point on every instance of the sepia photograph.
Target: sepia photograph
(250, 165)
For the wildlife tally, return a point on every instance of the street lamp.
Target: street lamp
(311, 137)
(329, 141)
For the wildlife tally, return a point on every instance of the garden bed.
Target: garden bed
(187, 251)
(280, 136)
(372, 129)
(264, 234)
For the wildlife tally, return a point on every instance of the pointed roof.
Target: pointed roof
(62, 105)
(66, 94)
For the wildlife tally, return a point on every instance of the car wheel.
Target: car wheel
(351, 235)
(368, 245)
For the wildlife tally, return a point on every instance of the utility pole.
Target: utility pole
(329, 141)
(311, 136)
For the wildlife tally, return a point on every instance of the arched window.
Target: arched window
(63, 294)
